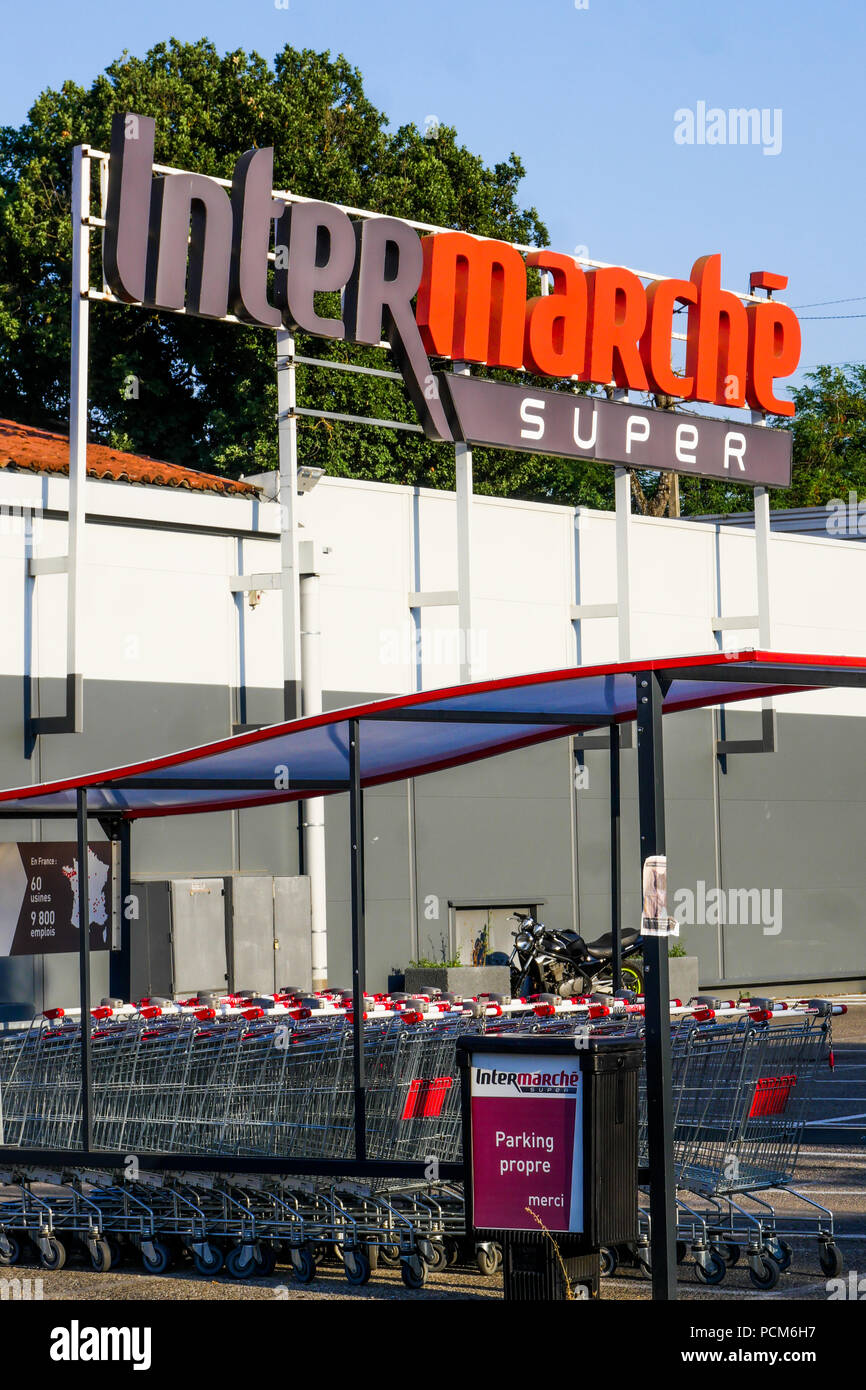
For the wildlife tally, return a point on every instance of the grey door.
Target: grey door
(292, 921)
(252, 917)
(198, 934)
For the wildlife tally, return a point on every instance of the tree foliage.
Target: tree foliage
(206, 392)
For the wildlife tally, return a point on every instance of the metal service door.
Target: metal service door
(252, 933)
(292, 926)
(198, 934)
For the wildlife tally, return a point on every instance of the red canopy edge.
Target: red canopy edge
(441, 698)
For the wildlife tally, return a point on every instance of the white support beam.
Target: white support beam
(287, 436)
(256, 583)
(750, 622)
(463, 470)
(578, 611)
(434, 598)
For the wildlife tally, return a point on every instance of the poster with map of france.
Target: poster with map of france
(40, 897)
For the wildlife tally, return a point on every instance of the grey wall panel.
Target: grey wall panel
(268, 840)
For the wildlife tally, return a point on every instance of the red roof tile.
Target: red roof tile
(39, 451)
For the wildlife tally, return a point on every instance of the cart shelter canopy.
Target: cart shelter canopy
(409, 735)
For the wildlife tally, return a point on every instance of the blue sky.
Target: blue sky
(587, 98)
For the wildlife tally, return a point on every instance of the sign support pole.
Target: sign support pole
(463, 472)
(615, 842)
(84, 966)
(356, 838)
(287, 437)
(651, 802)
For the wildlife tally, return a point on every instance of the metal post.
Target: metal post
(651, 800)
(287, 436)
(356, 838)
(84, 965)
(314, 810)
(615, 841)
(622, 492)
(120, 963)
(463, 474)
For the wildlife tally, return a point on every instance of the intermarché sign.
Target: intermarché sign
(179, 241)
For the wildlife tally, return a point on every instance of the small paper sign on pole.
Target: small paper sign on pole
(654, 917)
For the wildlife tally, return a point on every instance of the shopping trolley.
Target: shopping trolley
(741, 1090)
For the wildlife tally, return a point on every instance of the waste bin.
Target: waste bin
(550, 1150)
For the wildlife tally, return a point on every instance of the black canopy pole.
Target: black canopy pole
(84, 966)
(356, 838)
(615, 842)
(120, 963)
(651, 800)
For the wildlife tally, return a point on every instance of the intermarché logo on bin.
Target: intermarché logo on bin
(530, 1083)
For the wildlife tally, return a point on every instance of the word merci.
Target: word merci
(524, 1141)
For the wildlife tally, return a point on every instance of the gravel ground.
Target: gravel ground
(835, 1177)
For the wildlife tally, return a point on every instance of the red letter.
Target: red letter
(718, 335)
(555, 338)
(616, 317)
(655, 345)
(774, 351)
(471, 300)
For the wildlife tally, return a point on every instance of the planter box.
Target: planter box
(683, 971)
(465, 980)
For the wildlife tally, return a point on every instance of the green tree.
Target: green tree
(207, 396)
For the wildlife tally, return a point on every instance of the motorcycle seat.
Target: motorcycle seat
(603, 946)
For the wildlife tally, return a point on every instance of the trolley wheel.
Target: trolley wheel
(211, 1263)
(785, 1255)
(357, 1267)
(767, 1275)
(160, 1261)
(100, 1256)
(440, 1257)
(728, 1251)
(485, 1258)
(240, 1265)
(266, 1261)
(413, 1272)
(303, 1265)
(117, 1251)
(372, 1253)
(607, 1261)
(54, 1256)
(830, 1259)
(452, 1251)
(389, 1255)
(13, 1254)
(714, 1272)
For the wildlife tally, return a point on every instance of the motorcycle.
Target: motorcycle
(544, 961)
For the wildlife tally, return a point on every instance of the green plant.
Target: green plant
(445, 958)
(677, 950)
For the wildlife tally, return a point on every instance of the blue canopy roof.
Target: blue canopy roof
(409, 735)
